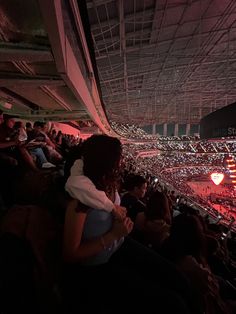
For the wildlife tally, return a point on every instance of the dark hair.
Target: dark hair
(38, 124)
(187, 237)
(7, 117)
(158, 207)
(18, 125)
(133, 181)
(101, 156)
(28, 125)
(74, 154)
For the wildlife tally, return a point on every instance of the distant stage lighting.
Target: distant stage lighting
(217, 178)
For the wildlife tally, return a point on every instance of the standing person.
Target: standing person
(99, 256)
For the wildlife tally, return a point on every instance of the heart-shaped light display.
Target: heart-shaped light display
(217, 177)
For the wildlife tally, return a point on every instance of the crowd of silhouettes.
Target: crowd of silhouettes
(82, 230)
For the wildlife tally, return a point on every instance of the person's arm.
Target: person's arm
(74, 250)
(8, 144)
(49, 142)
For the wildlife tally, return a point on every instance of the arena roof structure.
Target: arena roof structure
(158, 61)
(164, 61)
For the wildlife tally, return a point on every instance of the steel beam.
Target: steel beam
(123, 49)
(28, 55)
(12, 82)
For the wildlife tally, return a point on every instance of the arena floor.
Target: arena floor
(204, 188)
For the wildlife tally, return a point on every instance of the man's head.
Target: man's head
(38, 126)
(137, 186)
(28, 126)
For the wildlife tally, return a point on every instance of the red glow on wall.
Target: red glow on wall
(217, 178)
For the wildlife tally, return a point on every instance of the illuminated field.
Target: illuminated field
(204, 189)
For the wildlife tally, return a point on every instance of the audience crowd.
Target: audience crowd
(132, 237)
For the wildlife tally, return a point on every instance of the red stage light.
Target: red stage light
(217, 178)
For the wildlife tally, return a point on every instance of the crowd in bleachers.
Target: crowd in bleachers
(130, 131)
(194, 146)
(36, 146)
(178, 169)
(179, 138)
(150, 252)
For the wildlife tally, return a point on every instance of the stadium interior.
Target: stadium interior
(118, 156)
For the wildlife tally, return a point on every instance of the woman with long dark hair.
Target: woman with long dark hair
(114, 272)
(101, 158)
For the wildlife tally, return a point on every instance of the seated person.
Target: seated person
(186, 248)
(38, 139)
(38, 135)
(22, 134)
(136, 186)
(41, 159)
(10, 147)
(154, 222)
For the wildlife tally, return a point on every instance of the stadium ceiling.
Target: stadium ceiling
(164, 61)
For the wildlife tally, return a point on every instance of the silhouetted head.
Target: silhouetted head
(187, 236)
(158, 207)
(102, 156)
(137, 185)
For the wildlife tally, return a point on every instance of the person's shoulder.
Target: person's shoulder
(141, 206)
(31, 133)
(128, 197)
(128, 200)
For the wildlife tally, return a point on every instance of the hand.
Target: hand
(122, 228)
(119, 212)
(17, 142)
(21, 143)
